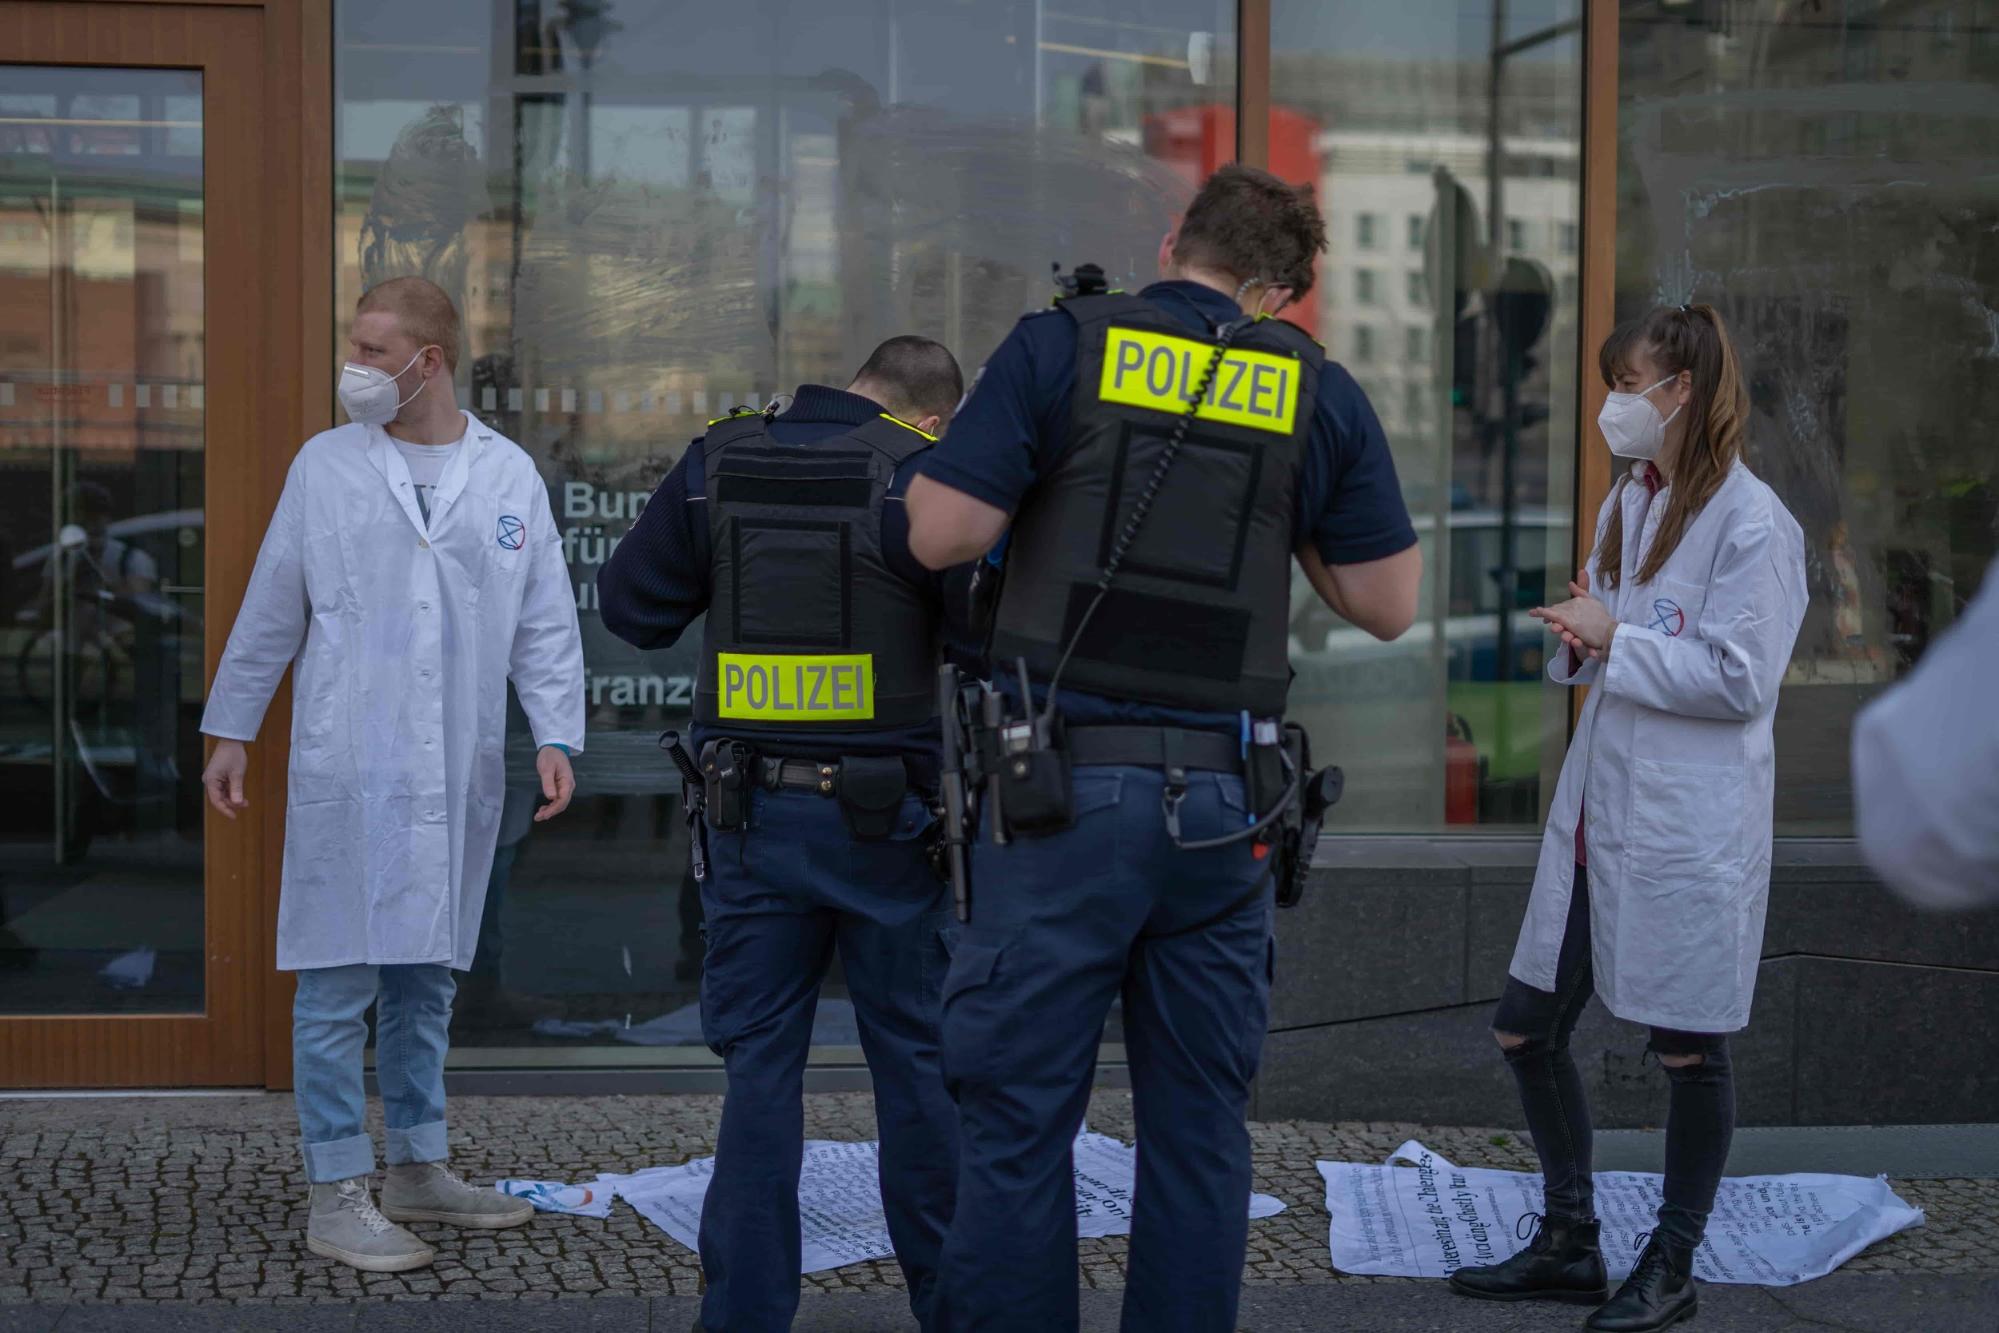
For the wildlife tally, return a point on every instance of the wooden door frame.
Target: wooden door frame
(1252, 83)
(267, 99)
(1599, 272)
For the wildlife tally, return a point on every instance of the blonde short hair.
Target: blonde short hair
(422, 309)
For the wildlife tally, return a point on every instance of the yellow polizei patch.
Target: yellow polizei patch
(792, 687)
(1161, 372)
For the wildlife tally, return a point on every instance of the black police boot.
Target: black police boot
(1562, 1263)
(1661, 1291)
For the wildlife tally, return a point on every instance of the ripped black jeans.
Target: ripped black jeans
(1700, 1120)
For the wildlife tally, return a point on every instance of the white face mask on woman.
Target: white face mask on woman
(1632, 426)
(369, 395)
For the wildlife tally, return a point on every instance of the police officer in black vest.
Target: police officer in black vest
(815, 722)
(1154, 462)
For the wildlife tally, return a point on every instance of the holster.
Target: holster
(693, 796)
(1299, 838)
(726, 781)
(870, 793)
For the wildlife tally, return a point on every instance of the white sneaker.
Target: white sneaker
(429, 1192)
(346, 1225)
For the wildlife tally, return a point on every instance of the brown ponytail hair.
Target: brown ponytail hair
(1692, 339)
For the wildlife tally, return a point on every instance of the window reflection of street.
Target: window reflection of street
(102, 418)
(1822, 174)
(1444, 141)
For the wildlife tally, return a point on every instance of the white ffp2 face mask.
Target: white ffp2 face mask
(1632, 426)
(369, 395)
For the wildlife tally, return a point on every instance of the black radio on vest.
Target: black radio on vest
(1197, 616)
(807, 624)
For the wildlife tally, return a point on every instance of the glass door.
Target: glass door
(101, 467)
(134, 929)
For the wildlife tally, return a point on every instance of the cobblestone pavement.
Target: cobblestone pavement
(151, 1199)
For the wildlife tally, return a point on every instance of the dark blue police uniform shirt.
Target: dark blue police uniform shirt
(1016, 426)
(657, 582)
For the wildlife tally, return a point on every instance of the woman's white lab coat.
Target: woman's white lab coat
(403, 636)
(1672, 764)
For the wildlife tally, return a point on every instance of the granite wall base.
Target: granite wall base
(1867, 1012)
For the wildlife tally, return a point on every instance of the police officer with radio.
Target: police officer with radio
(1154, 463)
(816, 729)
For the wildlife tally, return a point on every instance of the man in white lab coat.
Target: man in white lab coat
(412, 569)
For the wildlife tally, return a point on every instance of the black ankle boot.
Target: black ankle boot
(1562, 1263)
(1660, 1291)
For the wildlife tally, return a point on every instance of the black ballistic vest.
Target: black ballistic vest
(807, 625)
(1198, 614)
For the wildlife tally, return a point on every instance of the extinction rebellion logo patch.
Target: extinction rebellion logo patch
(513, 533)
(1667, 617)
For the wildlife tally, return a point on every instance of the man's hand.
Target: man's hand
(223, 778)
(558, 782)
(1585, 624)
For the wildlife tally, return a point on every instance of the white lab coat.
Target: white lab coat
(402, 639)
(1673, 752)
(1926, 768)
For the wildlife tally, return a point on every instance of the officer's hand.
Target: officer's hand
(558, 782)
(223, 778)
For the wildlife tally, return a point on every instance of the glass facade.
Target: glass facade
(652, 212)
(1444, 140)
(1822, 174)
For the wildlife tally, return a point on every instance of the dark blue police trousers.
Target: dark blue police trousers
(779, 896)
(1061, 926)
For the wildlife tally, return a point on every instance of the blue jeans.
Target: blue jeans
(779, 897)
(412, 1033)
(1062, 925)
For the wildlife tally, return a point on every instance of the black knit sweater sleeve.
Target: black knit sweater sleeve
(656, 583)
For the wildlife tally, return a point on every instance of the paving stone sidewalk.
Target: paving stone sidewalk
(200, 1199)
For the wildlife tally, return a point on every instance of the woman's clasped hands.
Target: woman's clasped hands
(1584, 623)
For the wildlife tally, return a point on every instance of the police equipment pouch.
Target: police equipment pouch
(725, 780)
(1036, 790)
(1029, 761)
(1264, 775)
(870, 791)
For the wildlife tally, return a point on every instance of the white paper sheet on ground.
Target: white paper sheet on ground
(553, 1196)
(1428, 1218)
(839, 1198)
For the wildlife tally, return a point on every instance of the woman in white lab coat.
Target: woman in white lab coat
(1655, 866)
